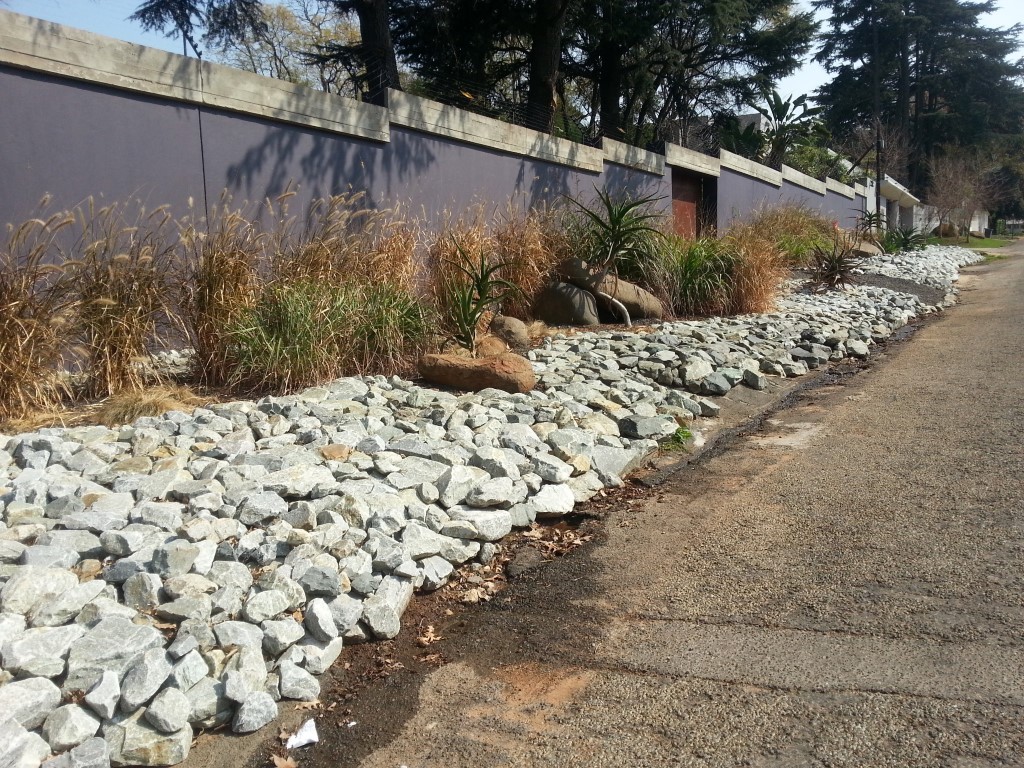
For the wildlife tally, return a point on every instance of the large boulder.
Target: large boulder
(513, 332)
(637, 301)
(866, 249)
(508, 372)
(566, 304)
(490, 346)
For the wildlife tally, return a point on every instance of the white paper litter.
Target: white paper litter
(304, 736)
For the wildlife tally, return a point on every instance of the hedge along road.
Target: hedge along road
(843, 587)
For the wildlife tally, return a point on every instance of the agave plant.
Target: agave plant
(833, 266)
(471, 293)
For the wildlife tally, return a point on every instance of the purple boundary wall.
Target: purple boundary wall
(85, 115)
(71, 139)
(843, 209)
(740, 195)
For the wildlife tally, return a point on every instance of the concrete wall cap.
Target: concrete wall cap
(682, 157)
(747, 167)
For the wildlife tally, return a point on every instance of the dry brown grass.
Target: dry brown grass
(114, 411)
(468, 232)
(121, 265)
(530, 245)
(795, 229)
(221, 278)
(757, 271)
(126, 407)
(324, 243)
(537, 330)
(36, 308)
(340, 238)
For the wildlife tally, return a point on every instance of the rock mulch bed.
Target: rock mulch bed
(193, 570)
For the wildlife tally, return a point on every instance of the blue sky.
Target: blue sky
(109, 17)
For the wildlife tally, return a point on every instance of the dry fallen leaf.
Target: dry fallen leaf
(475, 595)
(305, 706)
(429, 637)
(284, 762)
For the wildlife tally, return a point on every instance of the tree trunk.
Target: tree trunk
(545, 55)
(378, 52)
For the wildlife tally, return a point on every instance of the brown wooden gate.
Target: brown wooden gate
(686, 196)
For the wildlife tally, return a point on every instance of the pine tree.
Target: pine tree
(944, 78)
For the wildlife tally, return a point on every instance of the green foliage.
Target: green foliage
(470, 293)
(747, 141)
(307, 332)
(818, 161)
(931, 56)
(680, 440)
(620, 234)
(791, 122)
(903, 239)
(697, 275)
(833, 265)
(219, 20)
(869, 227)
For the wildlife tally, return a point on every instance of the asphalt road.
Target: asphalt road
(843, 587)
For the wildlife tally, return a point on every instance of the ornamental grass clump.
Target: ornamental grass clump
(221, 279)
(530, 246)
(304, 332)
(122, 264)
(696, 275)
(758, 270)
(467, 233)
(794, 228)
(36, 311)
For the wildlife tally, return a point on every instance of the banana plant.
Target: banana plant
(791, 122)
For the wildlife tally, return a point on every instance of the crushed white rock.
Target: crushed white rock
(192, 570)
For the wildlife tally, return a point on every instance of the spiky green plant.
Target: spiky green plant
(833, 266)
(470, 293)
(869, 228)
(903, 239)
(621, 234)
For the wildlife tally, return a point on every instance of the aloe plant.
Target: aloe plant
(472, 292)
(833, 267)
(621, 231)
(903, 239)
